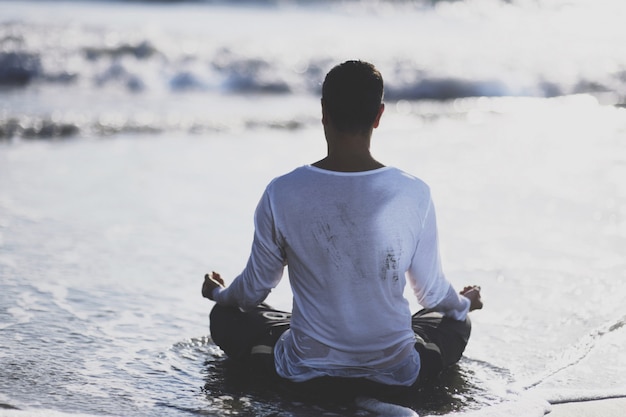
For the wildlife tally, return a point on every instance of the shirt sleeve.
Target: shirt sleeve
(426, 277)
(265, 266)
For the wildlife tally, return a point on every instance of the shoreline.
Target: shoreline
(611, 407)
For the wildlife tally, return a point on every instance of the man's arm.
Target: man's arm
(429, 283)
(264, 268)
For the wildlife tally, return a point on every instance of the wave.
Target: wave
(242, 75)
(19, 68)
(575, 353)
(49, 128)
(36, 54)
(81, 72)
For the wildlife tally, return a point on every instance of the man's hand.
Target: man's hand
(211, 282)
(473, 293)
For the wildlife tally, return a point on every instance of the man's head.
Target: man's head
(352, 96)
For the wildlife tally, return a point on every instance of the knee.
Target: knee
(217, 317)
(466, 329)
(218, 311)
(222, 321)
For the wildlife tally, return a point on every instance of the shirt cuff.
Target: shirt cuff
(216, 293)
(454, 305)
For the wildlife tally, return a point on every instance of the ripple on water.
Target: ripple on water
(230, 388)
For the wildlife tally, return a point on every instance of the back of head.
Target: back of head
(352, 95)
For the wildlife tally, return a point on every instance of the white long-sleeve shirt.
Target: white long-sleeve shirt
(351, 241)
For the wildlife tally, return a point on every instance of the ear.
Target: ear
(324, 116)
(379, 115)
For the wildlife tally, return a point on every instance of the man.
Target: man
(352, 232)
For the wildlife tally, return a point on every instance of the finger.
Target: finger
(217, 277)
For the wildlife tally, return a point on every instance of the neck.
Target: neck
(348, 165)
(348, 153)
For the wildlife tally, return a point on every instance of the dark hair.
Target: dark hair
(351, 95)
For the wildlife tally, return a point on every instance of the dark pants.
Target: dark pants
(251, 335)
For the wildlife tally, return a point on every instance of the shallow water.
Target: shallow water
(106, 233)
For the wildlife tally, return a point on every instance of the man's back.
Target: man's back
(349, 239)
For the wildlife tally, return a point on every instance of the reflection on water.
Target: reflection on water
(233, 387)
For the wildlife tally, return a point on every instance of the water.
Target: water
(136, 138)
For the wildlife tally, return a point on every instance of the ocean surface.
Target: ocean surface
(137, 136)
